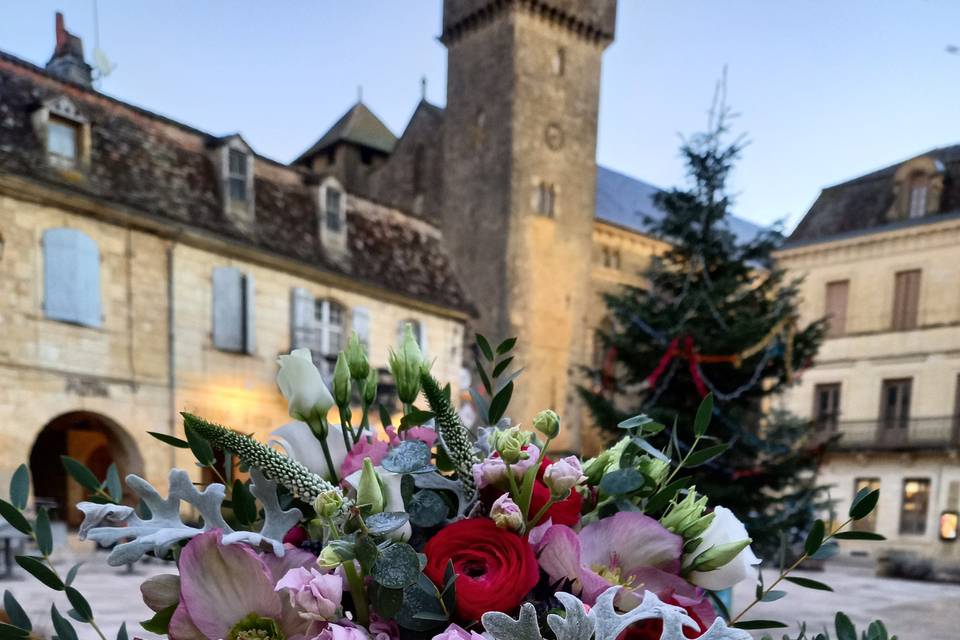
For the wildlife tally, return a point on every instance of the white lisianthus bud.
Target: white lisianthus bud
(369, 490)
(563, 475)
(357, 358)
(406, 364)
(370, 387)
(301, 384)
(341, 381)
(547, 422)
(725, 532)
(328, 503)
(506, 514)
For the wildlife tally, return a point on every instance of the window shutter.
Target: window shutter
(837, 296)
(228, 316)
(249, 320)
(71, 277)
(301, 316)
(906, 299)
(360, 321)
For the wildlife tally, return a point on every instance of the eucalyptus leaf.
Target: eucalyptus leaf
(18, 617)
(72, 574)
(122, 632)
(418, 598)
(409, 457)
(621, 481)
(506, 345)
(15, 518)
(79, 604)
(485, 347)
(704, 456)
(427, 509)
(112, 483)
(386, 602)
(40, 571)
(864, 502)
(845, 628)
(160, 622)
(79, 472)
(20, 487)
(8, 631)
(808, 583)
(61, 625)
(397, 567)
(383, 523)
(43, 532)
(814, 538)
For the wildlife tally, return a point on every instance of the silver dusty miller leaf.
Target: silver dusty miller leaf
(603, 622)
(109, 524)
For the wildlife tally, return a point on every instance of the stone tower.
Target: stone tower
(519, 156)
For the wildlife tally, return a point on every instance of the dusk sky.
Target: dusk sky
(826, 90)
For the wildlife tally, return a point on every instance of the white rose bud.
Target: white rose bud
(727, 532)
(301, 384)
(563, 475)
(506, 514)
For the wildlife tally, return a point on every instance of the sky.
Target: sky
(825, 90)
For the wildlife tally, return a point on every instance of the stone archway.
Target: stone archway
(93, 439)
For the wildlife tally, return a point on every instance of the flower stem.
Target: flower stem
(357, 593)
(321, 431)
(543, 510)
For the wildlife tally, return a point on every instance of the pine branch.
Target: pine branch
(453, 435)
(301, 482)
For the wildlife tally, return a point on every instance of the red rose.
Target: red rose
(701, 612)
(495, 568)
(567, 511)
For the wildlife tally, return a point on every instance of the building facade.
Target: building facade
(148, 268)
(880, 255)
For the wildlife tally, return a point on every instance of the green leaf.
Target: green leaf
(113, 484)
(415, 418)
(40, 571)
(704, 456)
(244, 504)
(383, 523)
(808, 583)
(621, 481)
(12, 632)
(160, 622)
(845, 628)
(430, 615)
(44, 534)
(704, 413)
(122, 632)
(385, 418)
(397, 567)
(20, 487)
(814, 538)
(409, 457)
(636, 421)
(170, 440)
(80, 604)
(427, 509)
(366, 551)
(483, 377)
(419, 598)
(61, 625)
(386, 602)
(485, 347)
(498, 406)
(201, 449)
(858, 535)
(660, 499)
(18, 617)
(506, 345)
(79, 472)
(502, 366)
(864, 502)
(759, 624)
(483, 407)
(773, 596)
(16, 519)
(72, 574)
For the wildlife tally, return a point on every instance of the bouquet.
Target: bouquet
(421, 527)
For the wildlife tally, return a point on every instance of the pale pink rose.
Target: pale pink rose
(382, 629)
(492, 470)
(313, 595)
(456, 632)
(563, 475)
(506, 513)
(341, 632)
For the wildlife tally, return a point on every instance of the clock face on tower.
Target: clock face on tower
(554, 136)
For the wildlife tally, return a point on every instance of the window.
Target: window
(333, 207)
(71, 277)
(233, 304)
(546, 195)
(560, 61)
(62, 142)
(611, 258)
(870, 522)
(318, 324)
(826, 406)
(914, 505)
(918, 196)
(895, 410)
(906, 300)
(836, 307)
(237, 175)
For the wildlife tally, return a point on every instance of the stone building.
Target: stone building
(147, 267)
(881, 257)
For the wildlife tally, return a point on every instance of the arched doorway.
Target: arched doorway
(91, 438)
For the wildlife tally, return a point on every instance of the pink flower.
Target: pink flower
(341, 632)
(315, 595)
(425, 435)
(456, 632)
(366, 447)
(493, 470)
(628, 549)
(383, 629)
(506, 513)
(563, 475)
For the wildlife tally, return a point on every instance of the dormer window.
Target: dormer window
(918, 196)
(235, 165)
(917, 189)
(64, 132)
(237, 175)
(333, 206)
(332, 217)
(63, 145)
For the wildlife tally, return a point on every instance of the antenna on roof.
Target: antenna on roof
(359, 93)
(101, 62)
(423, 87)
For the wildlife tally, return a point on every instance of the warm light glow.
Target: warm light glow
(949, 525)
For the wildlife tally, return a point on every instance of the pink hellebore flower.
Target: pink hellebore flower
(315, 595)
(563, 475)
(492, 470)
(629, 549)
(456, 632)
(383, 628)
(341, 632)
(366, 447)
(228, 587)
(425, 435)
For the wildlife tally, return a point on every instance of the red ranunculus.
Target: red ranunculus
(495, 568)
(567, 511)
(702, 613)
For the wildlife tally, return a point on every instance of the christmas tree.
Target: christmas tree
(716, 316)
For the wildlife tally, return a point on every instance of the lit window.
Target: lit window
(918, 196)
(62, 143)
(237, 175)
(334, 209)
(913, 508)
(546, 197)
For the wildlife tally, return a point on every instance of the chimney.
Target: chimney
(67, 62)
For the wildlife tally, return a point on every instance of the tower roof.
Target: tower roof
(357, 126)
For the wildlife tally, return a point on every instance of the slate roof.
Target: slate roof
(358, 125)
(624, 201)
(860, 205)
(163, 169)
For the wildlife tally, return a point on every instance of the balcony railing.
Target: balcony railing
(896, 434)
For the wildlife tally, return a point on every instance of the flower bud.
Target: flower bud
(300, 383)
(719, 555)
(406, 364)
(328, 558)
(547, 422)
(653, 468)
(683, 515)
(369, 489)
(328, 503)
(370, 387)
(506, 514)
(509, 443)
(563, 475)
(341, 381)
(607, 461)
(357, 358)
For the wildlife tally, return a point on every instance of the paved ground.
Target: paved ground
(912, 610)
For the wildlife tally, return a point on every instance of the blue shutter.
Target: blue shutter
(71, 277)
(228, 309)
(249, 324)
